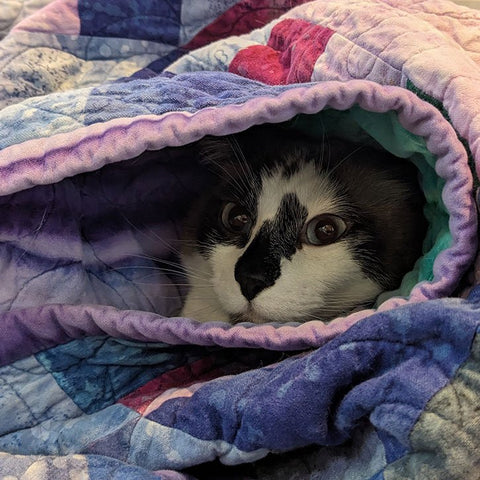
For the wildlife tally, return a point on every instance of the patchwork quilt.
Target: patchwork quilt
(100, 104)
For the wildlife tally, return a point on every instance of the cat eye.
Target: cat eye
(324, 229)
(236, 218)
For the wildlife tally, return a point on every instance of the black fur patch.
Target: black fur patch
(275, 240)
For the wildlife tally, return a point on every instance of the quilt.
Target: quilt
(101, 103)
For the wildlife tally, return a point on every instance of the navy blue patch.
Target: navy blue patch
(134, 19)
(156, 68)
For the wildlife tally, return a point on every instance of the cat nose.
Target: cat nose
(251, 284)
(258, 268)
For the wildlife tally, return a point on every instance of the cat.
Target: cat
(298, 229)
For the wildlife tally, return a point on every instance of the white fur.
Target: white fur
(308, 282)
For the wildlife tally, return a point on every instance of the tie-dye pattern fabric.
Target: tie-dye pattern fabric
(99, 376)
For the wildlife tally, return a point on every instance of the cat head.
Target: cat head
(296, 229)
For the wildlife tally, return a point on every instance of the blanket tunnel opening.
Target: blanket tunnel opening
(111, 224)
(383, 131)
(380, 130)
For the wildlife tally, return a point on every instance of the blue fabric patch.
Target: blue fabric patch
(187, 92)
(95, 372)
(393, 449)
(133, 19)
(100, 468)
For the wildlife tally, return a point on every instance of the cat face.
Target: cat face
(292, 231)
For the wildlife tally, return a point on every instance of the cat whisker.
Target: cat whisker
(234, 182)
(344, 159)
(159, 260)
(170, 284)
(311, 316)
(203, 297)
(168, 246)
(195, 244)
(175, 272)
(250, 181)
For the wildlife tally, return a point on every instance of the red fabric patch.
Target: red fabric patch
(289, 56)
(258, 62)
(243, 17)
(182, 377)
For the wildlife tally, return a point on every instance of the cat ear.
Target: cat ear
(215, 152)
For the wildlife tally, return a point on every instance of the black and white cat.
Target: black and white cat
(296, 229)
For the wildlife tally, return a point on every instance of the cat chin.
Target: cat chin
(199, 309)
(208, 312)
(204, 311)
(250, 316)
